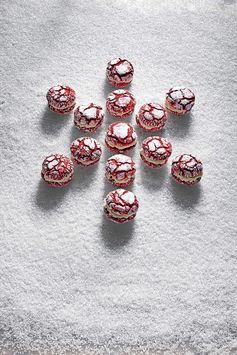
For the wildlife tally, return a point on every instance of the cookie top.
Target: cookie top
(121, 133)
(156, 148)
(85, 150)
(120, 71)
(187, 165)
(56, 167)
(61, 97)
(122, 201)
(181, 98)
(89, 116)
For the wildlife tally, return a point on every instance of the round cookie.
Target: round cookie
(85, 151)
(120, 170)
(120, 103)
(120, 137)
(61, 99)
(151, 117)
(179, 100)
(121, 206)
(88, 118)
(186, 169)
(57, 170)
(155, 151)
(119, 72)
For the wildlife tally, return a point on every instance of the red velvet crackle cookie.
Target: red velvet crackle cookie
(57, 170)
(179, 100)
(155, 151)
(151, 117)
(120, 72)
(121, 206)
(186, 169)
(120, 103)
(120, 137)
(85, 151)
(88, 117)
(120, 170)
(61, 99)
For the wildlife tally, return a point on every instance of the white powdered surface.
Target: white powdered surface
(128, 197)
(90, 113)
(124, 101)
(121, 130)
(72, 282)
(122, 68)
(90, 143)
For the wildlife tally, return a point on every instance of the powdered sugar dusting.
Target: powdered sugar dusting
(148, 116)
(90, 113)
(123, 101)
(128, 197)
(176, 95)
(89, 142)
(121, 130)
(153, 145)
(52, 163)
(158, 113)
(122, 69)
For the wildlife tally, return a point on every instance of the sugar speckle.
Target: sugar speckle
(128, 197)
(124, 101)
(122, 69)
(90, 143)
(90, 113)
(121, 130)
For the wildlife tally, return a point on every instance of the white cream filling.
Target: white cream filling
(85, 125)
(125, 79)
(113, 178)
(155, 162)
(113, 214)
(113, 145)
(65, 179)
(148, 126)
(185, 178)
(62, 108)
(120, 114)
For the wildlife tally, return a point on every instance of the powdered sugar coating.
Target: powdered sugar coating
(120, 103)
(120, 137)
(57, 170)
(120, 170)
(155, 151)
(121, 130)
(119, 72)
(85, 151)
(121, 205)
(88, 117)
(61, 97)
(179, 100)
(186, 169)
(151, 117)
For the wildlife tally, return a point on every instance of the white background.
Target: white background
(69, 279)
